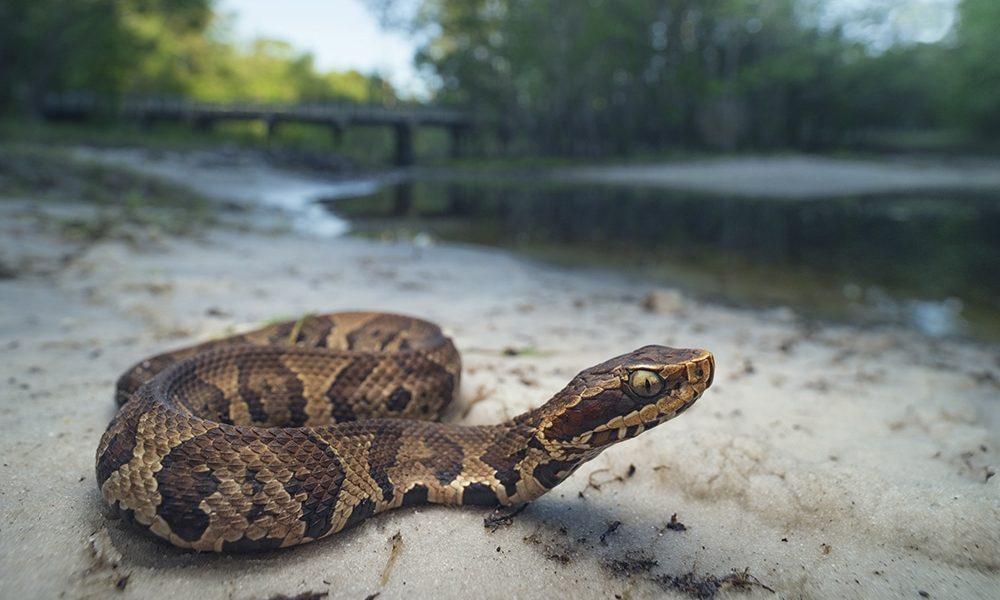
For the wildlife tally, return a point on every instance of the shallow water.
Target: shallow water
(929, 262)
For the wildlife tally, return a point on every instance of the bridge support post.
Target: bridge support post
(404, 144)
(272, 127)
(456, 141)
(402, 199)
(203, 124)
(338, 133)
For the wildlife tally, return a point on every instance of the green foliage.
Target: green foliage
(52, 46)
(206, 67)
(602, 76)
(557, 77)
(973, 96)
(154, 47)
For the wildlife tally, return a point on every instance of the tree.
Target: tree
(52, 46)
(109, 48)
(973, 79)
(599, 76)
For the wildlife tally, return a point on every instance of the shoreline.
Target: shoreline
(778, 177)
(800, 176)
(277, 199)
(822, 463)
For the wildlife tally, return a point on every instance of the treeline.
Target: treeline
(599, 77)
(154, 47)
(582, 77)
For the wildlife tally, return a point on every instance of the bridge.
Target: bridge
(404, 119)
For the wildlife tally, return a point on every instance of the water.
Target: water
(929, 262)
(298, 200)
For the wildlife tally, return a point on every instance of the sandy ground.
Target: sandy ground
(825, 462)
(800, 176)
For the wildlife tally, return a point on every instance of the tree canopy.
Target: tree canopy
(598, 76)
(973, 79)
(550, 76)
(154, 47)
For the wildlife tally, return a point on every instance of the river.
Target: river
(928, 260)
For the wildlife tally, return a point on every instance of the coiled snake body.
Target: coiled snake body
(298, 430)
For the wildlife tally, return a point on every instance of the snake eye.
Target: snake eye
(645, 383)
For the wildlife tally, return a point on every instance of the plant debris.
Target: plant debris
(592, 483)
(553, 552)
(707, 586)
(502, 516)
(675, 525)
(630, 565)
(302, 596)
(122, 582)
(396, 545)
(611, 530)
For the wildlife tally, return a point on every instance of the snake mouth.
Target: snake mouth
(700, 375)
(709, 359)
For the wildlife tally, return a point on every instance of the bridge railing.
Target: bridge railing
(82, 104)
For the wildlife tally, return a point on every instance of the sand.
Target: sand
(825, 462)
(801, 176)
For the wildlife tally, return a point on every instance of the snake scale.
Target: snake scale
(301, 429)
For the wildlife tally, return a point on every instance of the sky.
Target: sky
(341, 34)
(344, 35)
(908, 20)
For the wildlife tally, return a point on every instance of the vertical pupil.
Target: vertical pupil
(646, 383)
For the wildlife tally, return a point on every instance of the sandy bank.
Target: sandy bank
(800, 176)
(825, 462)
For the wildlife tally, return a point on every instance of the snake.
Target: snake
(304, 428)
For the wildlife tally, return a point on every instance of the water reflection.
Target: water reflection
(930, 262)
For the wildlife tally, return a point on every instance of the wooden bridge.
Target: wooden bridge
(403, 119)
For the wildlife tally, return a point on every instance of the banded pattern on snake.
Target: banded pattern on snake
(296, 431)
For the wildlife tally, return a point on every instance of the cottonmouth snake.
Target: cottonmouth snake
(298, 430)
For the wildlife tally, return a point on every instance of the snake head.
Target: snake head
(622, 397)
